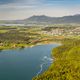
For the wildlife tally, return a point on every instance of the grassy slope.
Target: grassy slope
(67, 62)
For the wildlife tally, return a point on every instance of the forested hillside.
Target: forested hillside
(66, 65)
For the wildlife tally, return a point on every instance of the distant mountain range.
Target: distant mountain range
(45, 20)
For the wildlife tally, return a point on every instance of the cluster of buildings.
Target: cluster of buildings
(75, 31)
(53, 32)
(57, 32)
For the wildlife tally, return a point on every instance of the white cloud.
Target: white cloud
(22, 9)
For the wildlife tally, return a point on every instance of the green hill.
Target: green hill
(67, 62)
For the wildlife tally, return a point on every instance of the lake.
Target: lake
(24, 64)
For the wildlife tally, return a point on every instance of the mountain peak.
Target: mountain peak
(38, 16)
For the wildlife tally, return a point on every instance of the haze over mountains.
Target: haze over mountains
(42, 19)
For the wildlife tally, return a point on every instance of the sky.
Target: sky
(21, 9)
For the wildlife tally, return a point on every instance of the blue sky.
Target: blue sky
(21, 9)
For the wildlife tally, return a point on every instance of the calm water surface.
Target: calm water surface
(23, 64)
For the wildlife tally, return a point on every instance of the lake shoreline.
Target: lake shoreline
(65, 62)
(29, 46)
(18, 61)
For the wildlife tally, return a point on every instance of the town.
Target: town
(62, 31)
